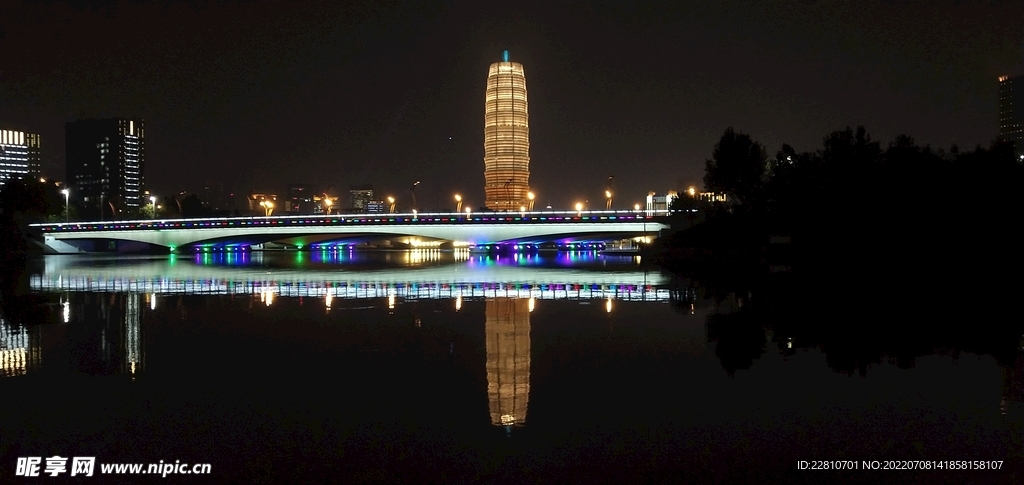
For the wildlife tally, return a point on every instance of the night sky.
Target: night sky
(260, 95)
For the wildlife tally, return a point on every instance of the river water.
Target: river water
(439, 366)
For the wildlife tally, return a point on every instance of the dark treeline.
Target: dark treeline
(855, 206)
(894, 251)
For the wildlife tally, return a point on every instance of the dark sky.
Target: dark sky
(258, 95)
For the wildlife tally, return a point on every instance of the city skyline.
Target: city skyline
(637, 92)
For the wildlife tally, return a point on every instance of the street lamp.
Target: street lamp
(608, 198)
(413, 190)
(267, 206)
(327, 204)
(579, 209)
(636, 207)
(529, 195)
(522, 211)
(67, 211)
(692, 191)
(458, 203)
(391, 200)
(468, 210)
(152, 202)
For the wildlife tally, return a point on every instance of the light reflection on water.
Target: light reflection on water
(593, 342)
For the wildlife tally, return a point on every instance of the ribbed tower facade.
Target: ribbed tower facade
(506, 137)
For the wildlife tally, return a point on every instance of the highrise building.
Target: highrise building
(1011, 110)
(106, 161)
(19, 155)
(360, 197)
(506, 137)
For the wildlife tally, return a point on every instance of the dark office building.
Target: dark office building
(300, 198)
(106, 161)
(1011, 111)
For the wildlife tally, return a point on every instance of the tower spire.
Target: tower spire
(504, 55)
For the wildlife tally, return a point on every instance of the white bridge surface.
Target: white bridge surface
(459, 229)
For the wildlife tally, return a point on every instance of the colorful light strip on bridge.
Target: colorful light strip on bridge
(545, 217)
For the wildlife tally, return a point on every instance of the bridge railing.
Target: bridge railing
(548, 216)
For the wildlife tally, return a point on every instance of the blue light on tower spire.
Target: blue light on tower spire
(504, 55)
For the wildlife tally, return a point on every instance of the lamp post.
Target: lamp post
(268, 207)
(458, 203)
(391, 200)
(327, 204)
(67, 210)
(579, 209)
(608, 200)
(152, 202)
(413, 190)
(530, 196)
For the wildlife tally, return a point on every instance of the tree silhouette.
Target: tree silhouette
(737, 167)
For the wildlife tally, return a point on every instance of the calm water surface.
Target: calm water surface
(429, 366)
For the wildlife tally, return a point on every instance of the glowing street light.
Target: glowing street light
(152, 202)
(579, 208)
(529, 195)
(67, 211)
(692, 191)
(636, 207)
(608, 198)
(267, 206)
(327, 204)
(391, 200)
(522, 210)
(458, 203)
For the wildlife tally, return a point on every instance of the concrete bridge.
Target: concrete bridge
(399, 230)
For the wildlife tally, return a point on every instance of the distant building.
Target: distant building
(359, 196)
(1011, 111)
(215, 198)
(19, 156)
(660, 202)
(106, 162)
(712, 196)
(506, 137)
(300, 198)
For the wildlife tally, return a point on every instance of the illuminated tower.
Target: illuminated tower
(506, 137)
(508, 360)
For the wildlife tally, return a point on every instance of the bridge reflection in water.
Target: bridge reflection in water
(114, 295)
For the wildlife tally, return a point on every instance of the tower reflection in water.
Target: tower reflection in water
(508, 359)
